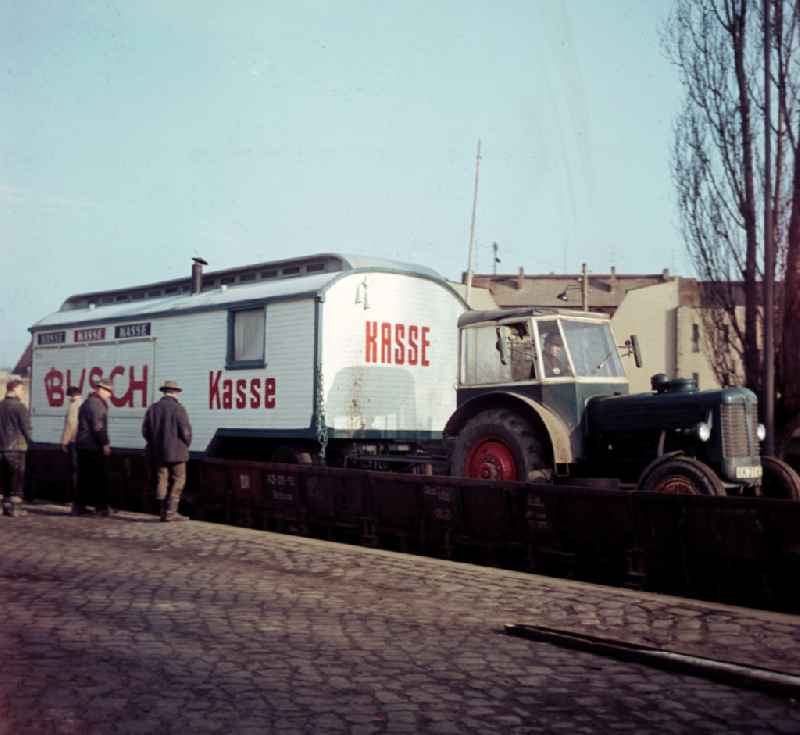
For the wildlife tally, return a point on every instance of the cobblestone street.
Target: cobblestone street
(127, 625)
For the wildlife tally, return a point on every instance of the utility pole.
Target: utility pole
(584, 288)
(471, 256)
(769, 253)
(495, 259)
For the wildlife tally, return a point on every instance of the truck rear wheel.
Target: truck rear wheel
(779, 480)
(499, 445)
(680, 476)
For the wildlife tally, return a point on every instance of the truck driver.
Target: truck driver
(555, 364)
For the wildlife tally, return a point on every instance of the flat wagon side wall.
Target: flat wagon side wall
(192, 349)
(389, 355)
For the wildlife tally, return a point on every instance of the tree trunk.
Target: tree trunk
(790, 356)
(748, 210)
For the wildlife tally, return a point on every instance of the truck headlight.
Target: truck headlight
(761, 432)
(703, 431)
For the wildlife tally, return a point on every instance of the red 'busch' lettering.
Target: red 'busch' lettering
(400, 344)
(121, 397)
(134, 386)
(225, 394)
(78, 383)
(54, 387)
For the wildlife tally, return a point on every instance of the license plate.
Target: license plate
(749, 473)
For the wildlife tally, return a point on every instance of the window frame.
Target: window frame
(230, 362)
(495, 325)
(540, 349)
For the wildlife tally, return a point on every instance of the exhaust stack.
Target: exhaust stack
(197, 274)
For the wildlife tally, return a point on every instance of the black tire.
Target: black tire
(499, 445)
(288, 454)
(680, 476)
(779, 480)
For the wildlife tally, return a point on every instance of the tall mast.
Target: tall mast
(471, 257)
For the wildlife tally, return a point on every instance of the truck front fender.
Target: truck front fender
(557, 431)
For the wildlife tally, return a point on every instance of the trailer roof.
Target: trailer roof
(242, 294)
(273, 270)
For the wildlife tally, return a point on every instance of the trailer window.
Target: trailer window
(246, 329)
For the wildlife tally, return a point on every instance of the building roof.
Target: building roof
(605, 290)
(23, 366)
(718, 293)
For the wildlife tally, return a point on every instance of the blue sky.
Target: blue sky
(135, 135)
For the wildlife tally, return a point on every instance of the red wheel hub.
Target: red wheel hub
(491, 460)
(676, 485)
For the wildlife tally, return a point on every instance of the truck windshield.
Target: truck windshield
(592, 349)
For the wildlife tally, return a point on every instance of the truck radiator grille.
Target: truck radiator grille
(739, 430)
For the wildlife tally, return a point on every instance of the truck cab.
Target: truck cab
(542, 395)
(540, 363)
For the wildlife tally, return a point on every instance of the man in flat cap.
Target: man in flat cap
(168, 434)
(15, 435)
(94, 449)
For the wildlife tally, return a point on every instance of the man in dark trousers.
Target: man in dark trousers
(69, 434)
(15, 435)
(94, 449)
(168, 434)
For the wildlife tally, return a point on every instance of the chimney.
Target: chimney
(197, 275)
(520, 279)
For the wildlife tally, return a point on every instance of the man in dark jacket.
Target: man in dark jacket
(168, 434)
(15, 435)
(94, 449)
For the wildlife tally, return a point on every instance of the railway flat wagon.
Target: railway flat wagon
(326, 355)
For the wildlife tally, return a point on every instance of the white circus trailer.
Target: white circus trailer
(327, 353)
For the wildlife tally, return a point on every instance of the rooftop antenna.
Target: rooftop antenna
(471, 256)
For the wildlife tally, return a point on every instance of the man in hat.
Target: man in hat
(168, 434)
(15, 435)
(94, 449)
(70, 433)
(555, 365)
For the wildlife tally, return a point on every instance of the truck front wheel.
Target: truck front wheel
(499, 445)
(780, 480)
(680, 476)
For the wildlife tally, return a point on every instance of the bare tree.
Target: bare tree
(717, 46)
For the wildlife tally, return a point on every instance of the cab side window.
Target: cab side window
(497, 353)
(521, 351)
(483, 356)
